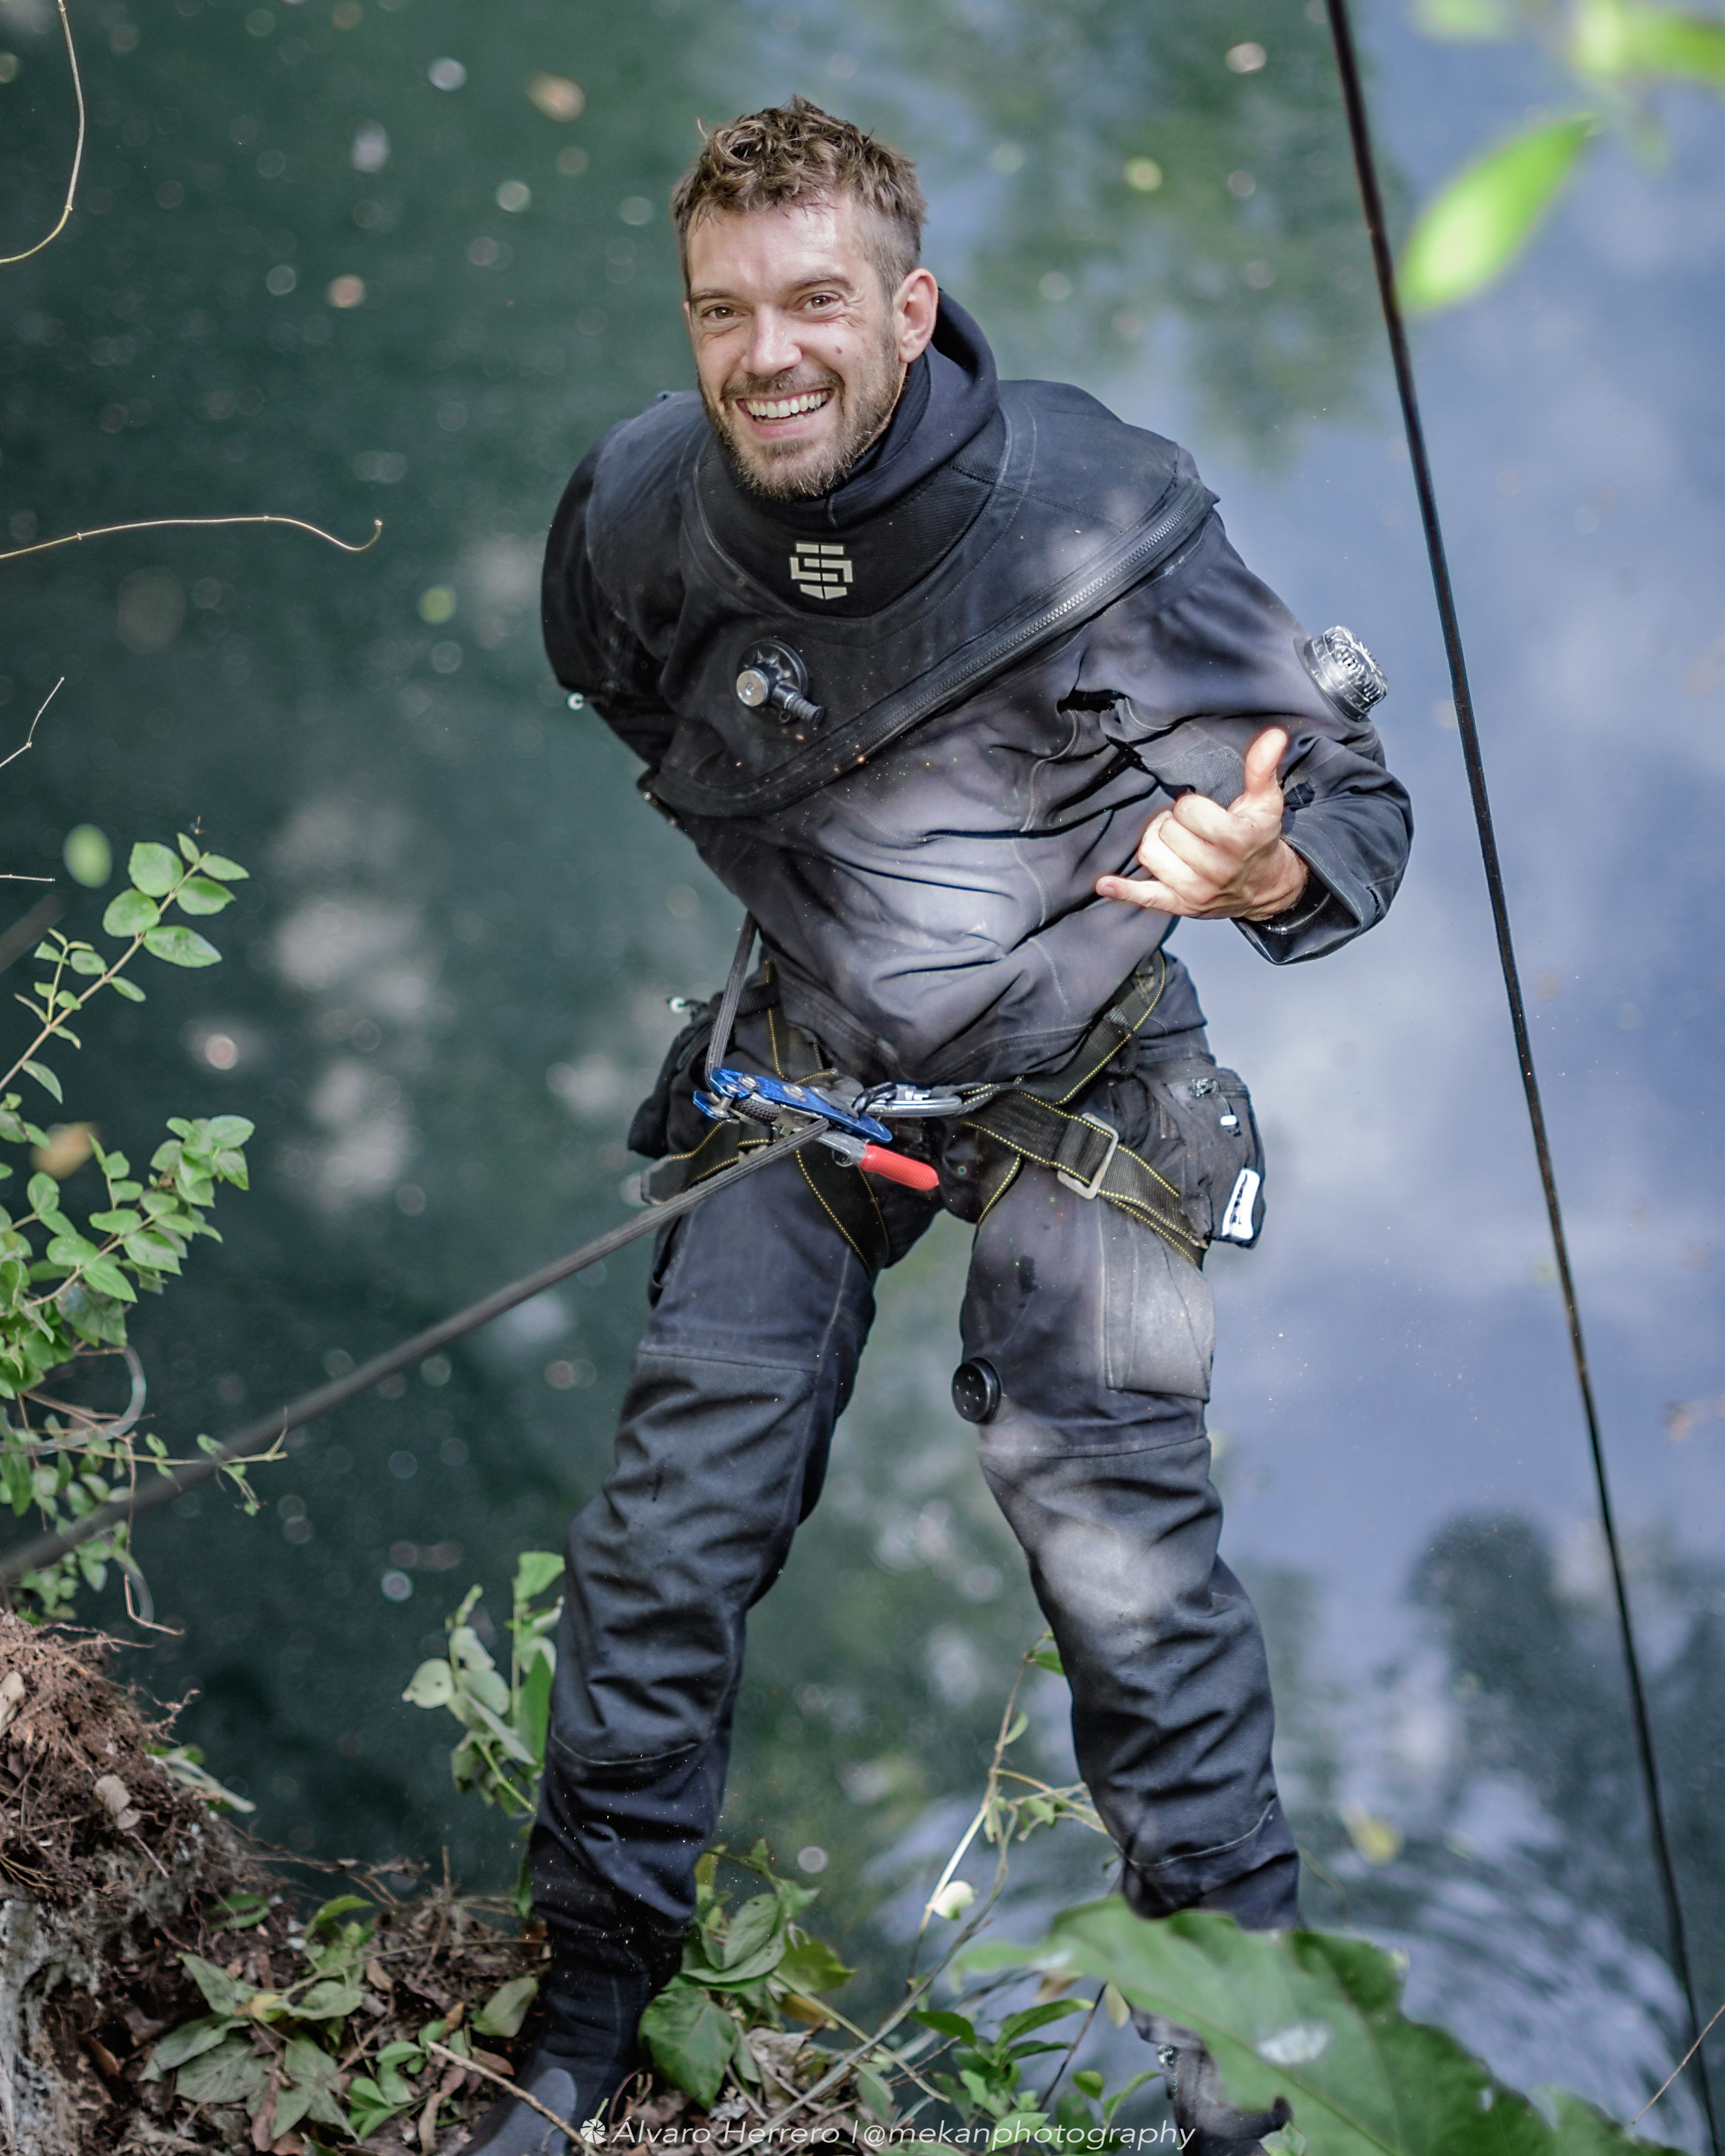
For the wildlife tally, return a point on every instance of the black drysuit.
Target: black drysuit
(923, 874)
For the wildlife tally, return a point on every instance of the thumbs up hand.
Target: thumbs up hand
(1207, 863)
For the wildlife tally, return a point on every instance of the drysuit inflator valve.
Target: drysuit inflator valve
(774, 681)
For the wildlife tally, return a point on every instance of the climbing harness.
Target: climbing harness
(1372, 202)
(1028, 1119)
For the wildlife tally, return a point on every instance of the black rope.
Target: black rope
(1371, 200)
(259, 1436)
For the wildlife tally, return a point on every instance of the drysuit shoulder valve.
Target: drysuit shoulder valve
(1346, 673)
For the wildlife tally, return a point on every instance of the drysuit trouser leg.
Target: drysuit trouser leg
(1101, 1336)
(760, 1310)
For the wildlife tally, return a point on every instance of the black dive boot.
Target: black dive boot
(1199, 2097)
(597, 1990)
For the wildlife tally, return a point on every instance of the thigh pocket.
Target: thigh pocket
(1158, 1321)
(1207, 1142)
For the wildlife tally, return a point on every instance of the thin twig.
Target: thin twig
(7, 260)
(503, 2082)
(1047, 2095)
(184, 523)
(1675, 2072)
(24, 744)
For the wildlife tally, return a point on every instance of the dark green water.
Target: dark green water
(445, 986)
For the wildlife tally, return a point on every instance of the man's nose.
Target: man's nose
(773, 349)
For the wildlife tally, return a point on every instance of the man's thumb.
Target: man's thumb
(1263, 757)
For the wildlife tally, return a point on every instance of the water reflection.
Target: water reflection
(447, 981)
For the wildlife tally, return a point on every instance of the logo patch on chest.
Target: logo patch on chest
(821, 573)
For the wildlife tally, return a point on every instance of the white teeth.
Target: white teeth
(786, 408)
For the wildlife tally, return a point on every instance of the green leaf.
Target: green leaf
(1475, 226)
(874, 2093)
(434, 1685)
(103, 1274)
(44, 1078)
(20, 1489)
(328, 2000)
(535, 1570)
(130, 914)
(129, 989)
(181, 946)
(1613, 39)
(504, 2012)
(1314, 2017)
(44, 1192)
(147, 1248)
(120, 1222)
(811, 1966)
(217, 865)
(225, 1993)
(308, 2067)
(238, 1912)
(532, 1713)
(323, 1922)
(690, 2039)
(188, 2041)
(228, 1130)
(1035, 2017)
(230, 2074)
(152, 869)
(755, 1924)
(199, 895)
(86, 962)
(946, 2025)
(188, 847)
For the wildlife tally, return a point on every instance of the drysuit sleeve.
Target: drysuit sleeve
(1185, 669)
(591, 649)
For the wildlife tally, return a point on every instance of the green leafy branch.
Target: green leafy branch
(65, 1288)
(195, 884)
(501, 1753)
(1619, 52)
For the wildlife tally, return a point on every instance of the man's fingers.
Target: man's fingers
(1149, 897)
(1262, 758)
(1177, 854)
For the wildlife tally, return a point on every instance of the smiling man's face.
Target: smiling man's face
(800, 350)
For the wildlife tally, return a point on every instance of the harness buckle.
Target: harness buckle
(1093, 1189)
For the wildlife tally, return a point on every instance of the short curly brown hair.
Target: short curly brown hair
(796, 153)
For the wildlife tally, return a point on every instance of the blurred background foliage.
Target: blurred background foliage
(1618, 54)
(409, 260)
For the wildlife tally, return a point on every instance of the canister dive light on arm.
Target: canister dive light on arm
(785, 1108)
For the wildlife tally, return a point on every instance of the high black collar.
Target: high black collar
(896, 513)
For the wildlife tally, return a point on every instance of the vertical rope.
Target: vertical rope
(1371, 201)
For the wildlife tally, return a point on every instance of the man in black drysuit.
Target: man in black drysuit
(959, 687)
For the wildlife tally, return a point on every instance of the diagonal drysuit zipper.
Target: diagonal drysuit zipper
(1169, 530)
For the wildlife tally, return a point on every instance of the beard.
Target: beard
(796, 471)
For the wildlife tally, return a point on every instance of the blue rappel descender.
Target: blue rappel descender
(858, 1139)
(788, 1108)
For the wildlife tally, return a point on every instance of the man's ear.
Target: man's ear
(914, 305)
